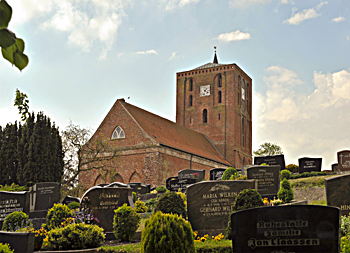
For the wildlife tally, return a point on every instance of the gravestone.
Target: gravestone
(11, 202)
(307, 164)
(167, 182)
(343, 160)
(338, 192)
(295, 228)
(335, 168)
(69, 199)
(102, 201)
(192, 174)
(42, 197)
(209, 202)
(176, 184)
(216, 174)
(271, 160)
(115, 184)
(268, 178)
(244, 169)
(139, 188)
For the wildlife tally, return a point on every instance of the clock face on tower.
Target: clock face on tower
(205, 90)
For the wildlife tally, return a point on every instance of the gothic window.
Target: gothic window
(135, 178)
(99, 180)
(118, 178)
(219, 97)
(191, 101)
(243, 139)
(118, 133)
(219, 80)
(205, 116)
(191, 85)
(239, 88)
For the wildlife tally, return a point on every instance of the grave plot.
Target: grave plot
(338, 193)
(343, 160)
(216, 174)
(271, 160)
(307, 164)
(199, 175)
(268, 178)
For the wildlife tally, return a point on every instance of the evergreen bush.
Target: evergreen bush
(5, 248)
(285, 193)
(228, 173)
(285, 174)
(152, 204)
(134, 196)
(125, 223)
(140, 207)
(74, 236)
(167, 233)
(15, 221)
(171, 202)
(161, 189)
(56, 215)
(73, 205)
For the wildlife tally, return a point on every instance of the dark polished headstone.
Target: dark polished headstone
(343, 160)
(307, 164)
(268, 178)
(335, 168)
(338, 192)
(216, 174)
(11, 202)
(69, 199)
(192, 174)
(299, 228)
(167, 182)
(44, 195)
(140, 188)
(102, 201)
(176, 184)
(19, 242)
(209, 202)
(271, 160)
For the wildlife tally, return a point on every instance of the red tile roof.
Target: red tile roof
(168, 133)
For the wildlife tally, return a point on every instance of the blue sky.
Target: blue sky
(85, 54)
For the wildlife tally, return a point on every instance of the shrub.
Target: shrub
(285, 193)
(140, 207)
(57, 214)
(73, 205)
(5, 248)
(228, 173)
(293, 168)
(183, 196)
(16, 220)
(13, 188)
(134, 195)
(167, 233)
(309, 174)
(285, 174)
(74, 236)
(345, 225)
(125, 223)
(171, 202)
(161, 189)
(151, 204)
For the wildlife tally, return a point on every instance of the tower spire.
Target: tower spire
(215, 57)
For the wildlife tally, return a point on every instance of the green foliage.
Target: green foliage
(228, 173)
(345, 233)
(134, 196)
(140, 207)
(21, 101)
(12, 48)
(152, 204)
(309, 174)
(16, 220)
(161, 189)
(285, 193)
(167, 233)
(268, 149)
(73, 205)
(13, 188)
(293, 168)
(5, 248)
(171, 202)
(75, 236)
(125, 223)
(285, 174)
(183, 196)
(212, 246)
(56, 215)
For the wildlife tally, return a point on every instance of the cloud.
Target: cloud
(9, 115)
(233, 36)
(170, 5)
(147, 52)
(247, 3)
(315, 122)
(173, 56)
(338, 19)
(347, 38)
(298, 18)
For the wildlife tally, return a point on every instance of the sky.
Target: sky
(85, 54)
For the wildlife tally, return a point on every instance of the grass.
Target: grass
(309, 181)
(142, 225)
(129, 248)
(321, 202)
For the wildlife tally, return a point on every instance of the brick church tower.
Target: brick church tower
(216, 100)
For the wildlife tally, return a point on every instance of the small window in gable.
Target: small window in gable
(118, 133)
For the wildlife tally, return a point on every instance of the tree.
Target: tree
(84, 154)
(22, 103)
(268, 149)
(12, 48)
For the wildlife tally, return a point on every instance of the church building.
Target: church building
(213, 129)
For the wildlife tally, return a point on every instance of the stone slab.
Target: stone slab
(188, 173)
(271, 160)
(338, 192)
(268, 179)
(44, 195)
(343, 160)
(216, 174)
(307, 164)
(176, 184)
(11, 202)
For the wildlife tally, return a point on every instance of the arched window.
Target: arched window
(243, 139)
(191, 85)
(205, 116)
(239, 89)
(135, 178)
(219, 80)
(219, 97)
(118, 133)
(190, 101)
(99, 180)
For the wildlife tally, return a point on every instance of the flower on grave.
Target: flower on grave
(195, 175)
